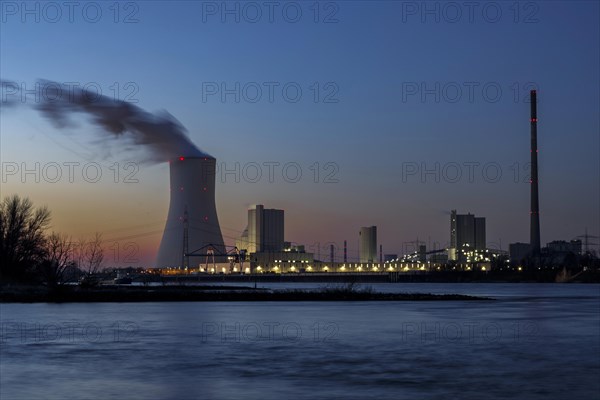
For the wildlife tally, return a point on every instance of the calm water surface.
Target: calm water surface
(536, 341)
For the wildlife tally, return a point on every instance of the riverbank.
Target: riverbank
(535, 276)
(115, 293)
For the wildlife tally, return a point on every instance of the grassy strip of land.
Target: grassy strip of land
(208, 293)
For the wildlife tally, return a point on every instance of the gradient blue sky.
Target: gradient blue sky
(372, 54)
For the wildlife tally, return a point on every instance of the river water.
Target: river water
(535, 341)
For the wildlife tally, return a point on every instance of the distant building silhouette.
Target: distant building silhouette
(518, 252)
(562, 246)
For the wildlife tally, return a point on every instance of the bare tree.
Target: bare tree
(22, 237)
(58, 258)
(90, 256)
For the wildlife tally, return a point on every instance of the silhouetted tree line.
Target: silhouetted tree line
(29, 253)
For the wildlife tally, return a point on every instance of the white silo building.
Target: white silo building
(368, 244)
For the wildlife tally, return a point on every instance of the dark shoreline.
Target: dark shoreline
(541, 276)
(128, 294)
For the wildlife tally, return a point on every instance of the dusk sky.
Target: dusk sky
(387, 89)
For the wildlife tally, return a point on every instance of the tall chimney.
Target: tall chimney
(331, 255)
(534, 233)
(192, 210)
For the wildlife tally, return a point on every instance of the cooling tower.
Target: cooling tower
(192, 190)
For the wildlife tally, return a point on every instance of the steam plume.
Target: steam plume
(161, 134)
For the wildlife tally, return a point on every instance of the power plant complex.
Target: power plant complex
(192, 229)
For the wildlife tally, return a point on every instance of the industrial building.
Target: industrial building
(289, 260)
(518, 252)
(562, 246)
(264, 232)
(561, 252)
(555, 252)
(368, 244)
(467, 234)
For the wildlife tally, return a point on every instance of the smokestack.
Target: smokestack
(534, 233)
(192, 190)
(331, 255)
(345, 252)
